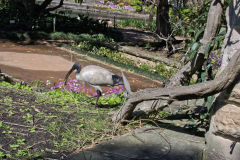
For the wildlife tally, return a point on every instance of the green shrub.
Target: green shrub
(121, 4)
(138, 8)
(137, 23)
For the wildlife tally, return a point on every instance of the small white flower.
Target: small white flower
(48, 82)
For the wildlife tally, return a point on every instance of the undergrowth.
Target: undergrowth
(52, 124)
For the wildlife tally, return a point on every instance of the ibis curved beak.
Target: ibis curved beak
(67, 75)
(76, 66)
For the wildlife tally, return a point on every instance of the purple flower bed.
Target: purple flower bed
(75, 87)
(111, 5)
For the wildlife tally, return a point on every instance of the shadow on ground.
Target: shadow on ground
(146, 144)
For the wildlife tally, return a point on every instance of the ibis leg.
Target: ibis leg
(99, 93)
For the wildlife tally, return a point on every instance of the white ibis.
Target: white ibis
(97, 76)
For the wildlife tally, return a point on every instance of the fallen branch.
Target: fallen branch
(200, 90)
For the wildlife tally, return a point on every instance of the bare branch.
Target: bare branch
(200, 90)
(56, 7)
(46, 3)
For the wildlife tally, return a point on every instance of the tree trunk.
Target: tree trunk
(28, 10)
(163, 25)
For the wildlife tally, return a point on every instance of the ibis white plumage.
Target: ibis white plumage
(97, 76)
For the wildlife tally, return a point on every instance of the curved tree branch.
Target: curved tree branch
(201, 90)
(46, 3)
(56, 7)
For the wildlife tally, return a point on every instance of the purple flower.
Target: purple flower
(74, 87)
(110, 5)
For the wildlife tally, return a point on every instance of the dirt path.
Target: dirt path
(46, 62)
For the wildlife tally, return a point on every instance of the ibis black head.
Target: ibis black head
(76, 66)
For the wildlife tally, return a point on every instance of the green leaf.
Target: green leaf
(2, 154)
(199, 33)
(218, 41)
(223, 31)
(202, 116)
(80, 126)
(195, 46)
(210, 100)
(190, 31)
(32, 130)
(207, 49)
(193, 50)
(14, 146)
(203, 76)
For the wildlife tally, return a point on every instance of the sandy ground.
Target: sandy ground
(44, 62)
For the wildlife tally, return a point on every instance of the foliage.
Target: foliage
(117, 57)
(213, 60)
(188, 20)
(162, 70)
(137, 23)
(4, 10)
(55, 36)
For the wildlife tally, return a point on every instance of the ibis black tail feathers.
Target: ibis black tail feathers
(126, 85)
(117, 80)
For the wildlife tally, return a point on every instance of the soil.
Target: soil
(43, 61)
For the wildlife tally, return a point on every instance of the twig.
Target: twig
(4, 149)
(25, 126)
(134, 135)
(38, 143)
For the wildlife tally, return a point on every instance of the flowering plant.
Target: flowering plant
(111, 5)
(113, 96)
(215, 58)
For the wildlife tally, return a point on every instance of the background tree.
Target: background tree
(29, 10)
(26, 12)
(162, 18)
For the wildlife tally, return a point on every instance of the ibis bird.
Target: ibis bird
(97, 76)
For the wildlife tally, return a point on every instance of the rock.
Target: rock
(226, 122)
(219, 148)
(143, 108)
(146, 107)
(146, 144)
(235, 95)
